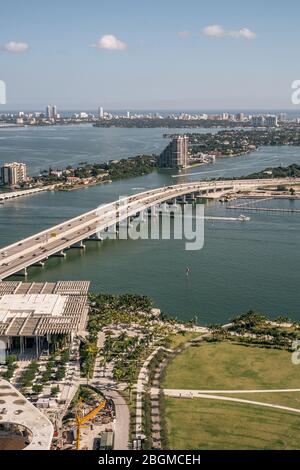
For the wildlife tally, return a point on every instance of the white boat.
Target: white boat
(244, 218)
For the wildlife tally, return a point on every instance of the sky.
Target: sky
(149, 54)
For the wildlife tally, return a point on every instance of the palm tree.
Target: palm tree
(90, 352)
(131, 381)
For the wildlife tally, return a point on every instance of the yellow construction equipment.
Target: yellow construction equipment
(80, 421)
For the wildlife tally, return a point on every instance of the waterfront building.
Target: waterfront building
(258, 121)
(175, 155)
(282, 117)
(48, 112)
(54, 112)
(51, 112)
(240, 117)
(34, 315)
(13, 173)
(100, 112)
(271, 121)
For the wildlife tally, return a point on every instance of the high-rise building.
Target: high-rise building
(54, 112)
(48, 112)
(51, 112)
(282, 117)
(240, 117)
(100, 112)
(175, 154)
(13, 173)
(271, 121)
(258, 121)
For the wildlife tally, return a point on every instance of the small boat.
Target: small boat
(244, 218)
(187, 271)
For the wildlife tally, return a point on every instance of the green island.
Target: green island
(167, 122)
(73, 177)
(236, 142)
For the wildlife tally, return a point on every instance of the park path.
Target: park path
(197, 394)
(188, 393)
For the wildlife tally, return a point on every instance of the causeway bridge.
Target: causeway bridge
(36, 249)
(25, 192)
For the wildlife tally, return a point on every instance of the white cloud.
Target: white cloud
(242, 33)
(183, 34)
(16, 47)
(109, 41)
(218, 31)
(214, 30)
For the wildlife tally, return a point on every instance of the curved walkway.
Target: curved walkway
(195, 393)
(199, 394)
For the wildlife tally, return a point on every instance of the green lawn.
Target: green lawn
(230, 366)
(210, 424)
(181, 338)
(199, 424)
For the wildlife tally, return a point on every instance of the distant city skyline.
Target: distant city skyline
(163, 55)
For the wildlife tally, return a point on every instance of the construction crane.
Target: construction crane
(80, 421)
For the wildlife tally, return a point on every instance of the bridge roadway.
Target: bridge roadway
(39, 247)
(25, 192)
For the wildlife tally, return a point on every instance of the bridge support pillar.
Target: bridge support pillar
(94, 238)
(39, 264)
(22, 272)
(60, 254)
(81, 246)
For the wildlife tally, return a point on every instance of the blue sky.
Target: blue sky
(158, 53)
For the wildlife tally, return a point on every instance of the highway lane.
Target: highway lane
(25, 192)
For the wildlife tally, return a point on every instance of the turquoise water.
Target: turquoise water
(242, 265)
